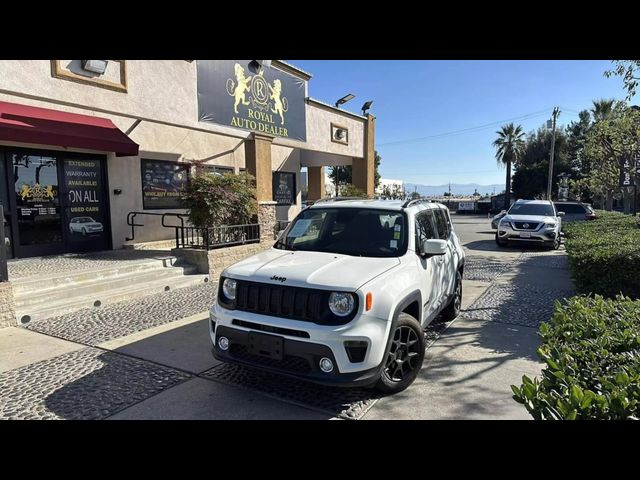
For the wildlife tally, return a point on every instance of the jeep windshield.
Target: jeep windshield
(537, 209)
(361, 232)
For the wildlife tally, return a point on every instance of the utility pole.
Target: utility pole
(556, 112)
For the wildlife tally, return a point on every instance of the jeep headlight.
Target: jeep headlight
(229, 288)
(503, 223)
(341, 304)
(550, 225)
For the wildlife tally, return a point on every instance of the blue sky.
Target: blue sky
(422, 98)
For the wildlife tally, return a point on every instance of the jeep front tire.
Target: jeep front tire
(404, 356)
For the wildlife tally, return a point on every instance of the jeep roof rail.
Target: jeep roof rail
(408, 203)
(339, 199)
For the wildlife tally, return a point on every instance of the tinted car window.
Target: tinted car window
(441, 223)
(532, 209)
(424, 227)
(570, 208)
(350, 231)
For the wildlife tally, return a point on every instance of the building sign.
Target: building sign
(86, 217)
(163, 183)
(284, 188)
(626, 171)
(269, 101)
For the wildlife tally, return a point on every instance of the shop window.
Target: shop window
(214, 169)
(163, 183)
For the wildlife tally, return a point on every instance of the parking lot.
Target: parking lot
(150, 358)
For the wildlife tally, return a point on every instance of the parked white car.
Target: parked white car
(341, 298)
(85, 225)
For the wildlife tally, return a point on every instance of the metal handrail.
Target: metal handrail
(4, 272)
(179, 228)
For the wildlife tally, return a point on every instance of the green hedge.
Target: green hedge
(604, 255)
(591, 349)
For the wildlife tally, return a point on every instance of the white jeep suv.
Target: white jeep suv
(343, 296)
(531, 221)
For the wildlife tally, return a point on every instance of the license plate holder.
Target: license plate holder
(525, 234)
(269, 346)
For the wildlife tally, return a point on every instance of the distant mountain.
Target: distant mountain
(456, 188)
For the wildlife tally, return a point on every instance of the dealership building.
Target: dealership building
(84, 143)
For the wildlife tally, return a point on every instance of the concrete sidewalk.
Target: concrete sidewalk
(468, 372)
(143, 360)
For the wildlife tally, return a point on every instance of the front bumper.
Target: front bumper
(543, 235)
(301, 356)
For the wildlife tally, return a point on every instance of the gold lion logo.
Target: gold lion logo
(276, 92)
(25, 192)
(241, 88)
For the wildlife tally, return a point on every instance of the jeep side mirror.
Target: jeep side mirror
(561, 214)
(433, 247)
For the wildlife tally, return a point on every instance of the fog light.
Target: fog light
(326, 365)
(223, 343)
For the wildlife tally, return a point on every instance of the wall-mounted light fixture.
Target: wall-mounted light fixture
(117, 191)
(366, 107)
(95, 66)
(345, 99)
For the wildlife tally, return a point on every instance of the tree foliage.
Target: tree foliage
(532, 167)
(607, 141)
(629, 70)
(221, 199)
(509, 147)
(349, 190)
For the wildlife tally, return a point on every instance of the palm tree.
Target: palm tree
(602, 109)
(509, 147)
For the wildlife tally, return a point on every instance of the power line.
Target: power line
(467, 130)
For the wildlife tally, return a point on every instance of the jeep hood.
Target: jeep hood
(311, 269)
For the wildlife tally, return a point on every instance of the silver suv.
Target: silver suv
(535, 221)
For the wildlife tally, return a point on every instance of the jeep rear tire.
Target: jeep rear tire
(404, 356)
(455, 305)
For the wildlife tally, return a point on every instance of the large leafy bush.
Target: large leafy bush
(591, 349)
(604, 255)
(227, 199)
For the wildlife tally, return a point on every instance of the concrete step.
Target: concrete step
(57, 280)
(68, 305)
(27, 299)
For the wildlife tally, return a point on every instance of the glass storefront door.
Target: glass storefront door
(58, 202)
(37, 204)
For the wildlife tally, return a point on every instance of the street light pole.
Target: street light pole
(556, 112)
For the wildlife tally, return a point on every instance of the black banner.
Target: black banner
(284, 188)
(163, 183)
(626, 172)
(232, 93)
(86, 209)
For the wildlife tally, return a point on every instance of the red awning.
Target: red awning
(26, 124)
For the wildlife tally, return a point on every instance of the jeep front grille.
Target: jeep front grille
(304, 304)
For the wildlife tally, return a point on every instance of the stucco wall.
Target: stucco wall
(164, 91)
(164, 94)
